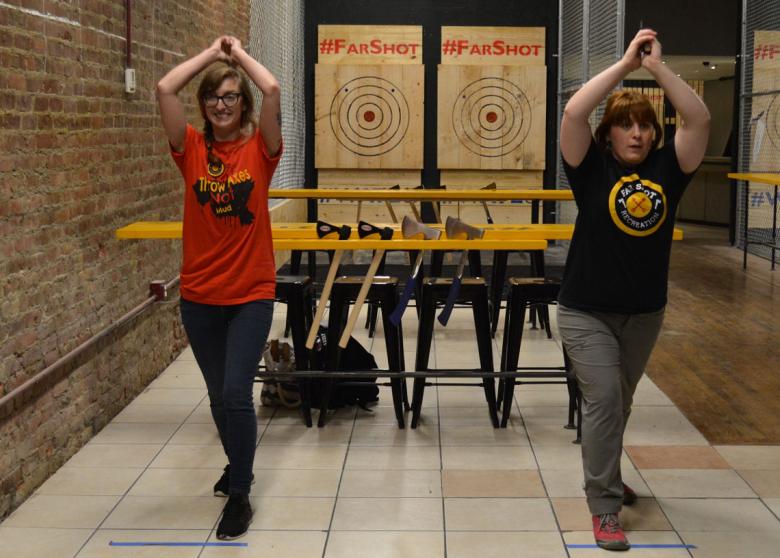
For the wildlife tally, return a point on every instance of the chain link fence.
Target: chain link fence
(276, 40)
(759, 124)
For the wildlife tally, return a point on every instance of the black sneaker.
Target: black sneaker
(222, 488)
(236, 516)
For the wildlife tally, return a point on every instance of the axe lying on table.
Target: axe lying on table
(411, 229)
(325, 229)
(364, 230)
(457, 229)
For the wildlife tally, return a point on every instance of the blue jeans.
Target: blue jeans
(228, 342)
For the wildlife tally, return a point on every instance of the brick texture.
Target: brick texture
(79, 158)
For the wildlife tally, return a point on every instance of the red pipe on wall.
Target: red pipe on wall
(158, 292)
(128, 36)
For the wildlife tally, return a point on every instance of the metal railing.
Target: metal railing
(15, 399)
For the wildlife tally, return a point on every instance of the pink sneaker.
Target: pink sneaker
(608, 532)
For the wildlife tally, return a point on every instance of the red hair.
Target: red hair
(625, 107)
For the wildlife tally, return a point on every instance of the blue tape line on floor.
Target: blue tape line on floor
(636, 546)
(113, 543)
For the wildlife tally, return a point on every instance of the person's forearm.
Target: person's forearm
(585, 101)
(258, 73)
(692, 109)
(175, 80)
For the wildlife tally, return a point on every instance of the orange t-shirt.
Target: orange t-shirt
(228, 255)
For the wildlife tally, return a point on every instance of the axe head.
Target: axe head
(325, 229)
(412, 229)
(457, 229)
(491, 186)
(367, 229)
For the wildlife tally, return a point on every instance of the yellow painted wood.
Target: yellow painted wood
(761, 177)
(369, 44)
(382, 178)
(306, 231)
(517, 100)
(511, 46)
(422, 195)
(466, 178)
(401, 244)
(346, 96)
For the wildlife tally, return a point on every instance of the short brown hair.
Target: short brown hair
(211, 81)
(623, 107)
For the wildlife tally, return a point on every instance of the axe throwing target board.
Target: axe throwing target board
(491, 117)
(368, 117)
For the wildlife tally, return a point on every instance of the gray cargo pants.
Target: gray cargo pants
(608, 353)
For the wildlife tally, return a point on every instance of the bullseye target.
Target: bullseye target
(369, 116)
(492, 117)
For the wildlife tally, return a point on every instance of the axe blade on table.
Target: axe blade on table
(364, 230)
(411, 229)
(491, 186)
(323, 230)
(457, 229)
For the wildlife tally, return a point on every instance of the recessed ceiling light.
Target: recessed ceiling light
(713, 67)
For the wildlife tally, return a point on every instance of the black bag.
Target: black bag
(347, 391)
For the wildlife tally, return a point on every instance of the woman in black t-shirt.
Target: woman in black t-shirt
(613, 292)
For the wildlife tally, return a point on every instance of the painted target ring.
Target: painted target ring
(773, 122)
(491, 117)
(369, 116)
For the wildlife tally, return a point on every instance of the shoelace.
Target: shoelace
(609, 523)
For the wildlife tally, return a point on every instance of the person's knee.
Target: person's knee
(237, 398)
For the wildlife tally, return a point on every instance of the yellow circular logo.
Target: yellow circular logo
(216, 169)
(637, 206)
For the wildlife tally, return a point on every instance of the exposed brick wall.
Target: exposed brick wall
(78, 159)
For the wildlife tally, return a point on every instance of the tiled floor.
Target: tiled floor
(361, 487)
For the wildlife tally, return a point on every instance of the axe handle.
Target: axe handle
(487, 212)
(326, 288)
(403, 302)
(390, 209)
(452, 294)
(361, 298)
(415, 212)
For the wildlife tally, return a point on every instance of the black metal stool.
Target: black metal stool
(473, 291)
(297, 291)
(523, 292)
(497, 286)
(384, 292)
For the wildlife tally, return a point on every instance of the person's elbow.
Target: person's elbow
(272, 90)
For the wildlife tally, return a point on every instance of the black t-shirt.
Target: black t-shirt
(619, 255)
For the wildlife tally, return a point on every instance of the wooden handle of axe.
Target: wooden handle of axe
(361, 298)
(326, 288)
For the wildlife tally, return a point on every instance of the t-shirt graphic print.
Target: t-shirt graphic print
(226, 195)
(638, 206)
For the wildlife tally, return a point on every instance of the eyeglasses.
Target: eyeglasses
(228, 99)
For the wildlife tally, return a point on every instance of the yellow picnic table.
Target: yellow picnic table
(173, 229)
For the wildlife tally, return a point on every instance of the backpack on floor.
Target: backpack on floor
(347, 391)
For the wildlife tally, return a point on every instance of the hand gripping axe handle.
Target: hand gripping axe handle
(457, 229)
(325, 229)
(364, 230)
(412, 229)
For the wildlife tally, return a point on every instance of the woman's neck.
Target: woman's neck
(227, 135)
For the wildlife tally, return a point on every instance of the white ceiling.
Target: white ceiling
(693, 67)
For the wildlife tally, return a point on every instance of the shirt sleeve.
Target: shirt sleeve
(190, 141)
(577, 176)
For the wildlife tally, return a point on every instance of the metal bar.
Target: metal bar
(536, 373)
(8, 401)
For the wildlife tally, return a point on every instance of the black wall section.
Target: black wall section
(688, 27)
(432, 15)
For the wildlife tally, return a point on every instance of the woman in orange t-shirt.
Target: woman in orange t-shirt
(228, 272)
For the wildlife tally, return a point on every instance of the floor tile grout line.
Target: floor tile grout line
(143, 471)
(338, 487)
